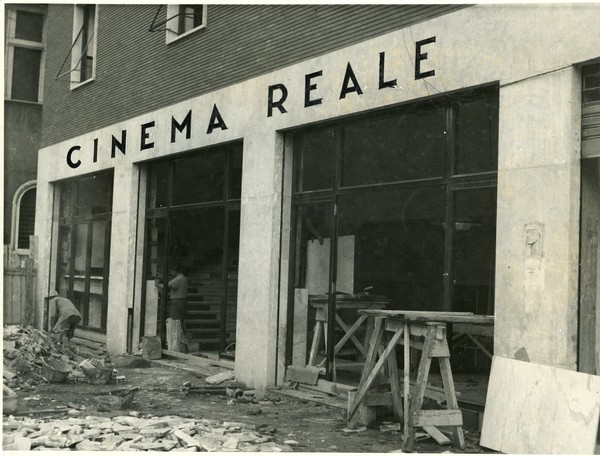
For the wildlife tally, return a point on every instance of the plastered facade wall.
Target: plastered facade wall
(479, 45)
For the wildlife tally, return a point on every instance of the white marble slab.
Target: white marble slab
(532, 408)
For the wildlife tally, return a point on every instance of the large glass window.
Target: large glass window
(83, 246)
(24, 52)
(396, 211)
(193, 222)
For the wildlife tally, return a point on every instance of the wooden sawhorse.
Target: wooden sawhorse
(430, 338)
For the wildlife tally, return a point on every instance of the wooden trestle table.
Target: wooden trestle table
(424, 331)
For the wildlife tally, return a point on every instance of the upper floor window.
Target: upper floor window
(23, 72)
(83, 51)
(184, 19)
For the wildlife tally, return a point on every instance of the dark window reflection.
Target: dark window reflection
(477, 137)
(474, 249)
(398, 239)
(408, 146)
(317, 160)
(199, 178)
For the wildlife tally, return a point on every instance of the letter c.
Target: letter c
(70, 160)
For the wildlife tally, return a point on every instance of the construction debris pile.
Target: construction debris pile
(131, 433)
(24, 352)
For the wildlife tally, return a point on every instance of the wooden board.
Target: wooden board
(531, 408)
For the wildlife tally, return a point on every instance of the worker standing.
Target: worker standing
(177, 288)
(63, 316)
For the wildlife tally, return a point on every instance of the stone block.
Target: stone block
(151, 347)
(88, 445)
(219, 378)
(129, 361)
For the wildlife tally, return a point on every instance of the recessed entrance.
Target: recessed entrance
(193, 225)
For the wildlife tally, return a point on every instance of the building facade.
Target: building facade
(424, 157)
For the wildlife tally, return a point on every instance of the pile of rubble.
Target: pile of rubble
(23, 351)
(132, 433)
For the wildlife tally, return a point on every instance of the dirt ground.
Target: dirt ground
(316, 427)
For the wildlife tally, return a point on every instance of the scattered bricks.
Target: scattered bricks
(209, 443)
(232, 425)
(146, 446)
(87, 445)
(155, 433)
(185, 439)
(111, 442)
(250, 448)
(75, 430)
(218, 431)
(128, 436)
(134, 413)
(120, 379)
(167, 445)
(138, 438)
(90, 434)
(57, 442)
(231, 443)
(96, 419)
(20, 443)
(266, 438)
(104, 425)
(125, 446)
(11, 426)
(115, 373)
(76, 421)
(290, 442)
(220, 378)
(8, 439)
(122, 428)
(269, 447)
(74, 412)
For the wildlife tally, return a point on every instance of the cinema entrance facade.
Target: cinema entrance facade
(433, 168)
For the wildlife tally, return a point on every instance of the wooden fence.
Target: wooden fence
(19, 283)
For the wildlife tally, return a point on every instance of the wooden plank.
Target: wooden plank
(395, 384)
(314, 348)
(437, 435)
(437, 418)
(451, 402)
(533, 408)
(199, 360)
(349, 334)
(406, 388)
(474, 329)
(416, 401)
(431, 317)
(305, 396)
(307, 375)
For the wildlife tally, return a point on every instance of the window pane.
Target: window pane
(199, 178)
(317, 160)
(66, 196)
(477, 138)
(94, 195)
(235, 174)
(158, 181)
(26, 74)
(398, 245)
(190, 17)
(404, 147)
(29, 26)
(26, 218)
(80, 249)
(473, 253)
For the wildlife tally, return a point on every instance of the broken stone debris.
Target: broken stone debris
(130, 433)
(219, 378)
